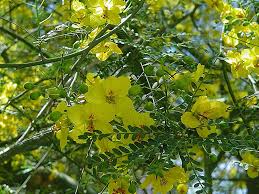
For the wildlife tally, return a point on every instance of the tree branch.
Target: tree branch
(32, 143)
(84, 51)
(18, 37)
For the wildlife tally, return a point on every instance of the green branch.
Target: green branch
(224, 69)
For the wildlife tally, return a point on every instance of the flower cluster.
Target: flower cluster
(244, 61)
(107, 100)
(119, 186)
(163, 184)
(203, 110)
(96, 13)
(253, 164)
(104, 49)
(156, 5)
(226, 10)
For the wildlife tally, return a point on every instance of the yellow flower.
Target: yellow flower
(237, 67)
(216, 4)
(95, 13)
(210, 109)
(238, 12)
(198, 73)
(182, 188)
(191, 121)
(250, 58)
(253, 162)
(112, 91)
(183, 80)
(159, 184)
(75, 133)
(105, 145)
(203, 110)
(252, 172)
(61, 107)
(80, 13)
(119, 186)
(204, 132)
(105, 49)
(156, 5)
(231, 39)
(199, 154)
(165, 183)
(61, 128)
(244, 63)
(90, 117)
(208, 89)
(92, 79)
(248, 157)
(106, 11)
(133, 118)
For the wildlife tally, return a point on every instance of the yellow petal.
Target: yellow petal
(252, 172)
(189, 120)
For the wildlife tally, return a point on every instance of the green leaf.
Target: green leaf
(192, 177)
(134, 136)
(149, 106)
(199, 169)
(53, 93)
(105, 178)
(135, 90)
(101, 136)
(96, 158)
(139, 145)
(104, 157)
(35, 95)
(192, 153)
(132, 188)
(54, 116)
(132, 129)
(195, 162)
(149, 70)
(133, 147)
(160, 72)
(122, 129)
(118, 136)
(29, 86)
(111, 155)
(123, 149)
(83, 88)
(116, 151)
(126, 136)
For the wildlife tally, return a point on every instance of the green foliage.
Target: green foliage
(104, 96)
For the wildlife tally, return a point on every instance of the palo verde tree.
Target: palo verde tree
(129, 96)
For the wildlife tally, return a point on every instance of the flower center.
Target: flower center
(90, 126)
(105, 14)
(110, 97)
(163, 181)
(119, 191)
